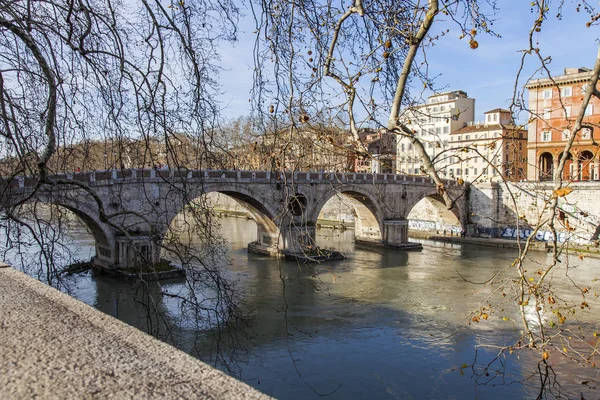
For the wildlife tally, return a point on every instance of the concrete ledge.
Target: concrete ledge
(53, 346)
(490, 242)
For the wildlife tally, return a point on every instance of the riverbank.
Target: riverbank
(54, 346)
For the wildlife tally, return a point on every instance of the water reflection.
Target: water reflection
(379, 324)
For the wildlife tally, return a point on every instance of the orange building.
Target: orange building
(554, 105)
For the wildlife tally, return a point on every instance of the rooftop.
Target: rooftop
(571, 75)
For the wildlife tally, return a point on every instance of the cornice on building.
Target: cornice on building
(580, 77)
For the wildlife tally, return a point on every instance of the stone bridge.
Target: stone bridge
(141, 204)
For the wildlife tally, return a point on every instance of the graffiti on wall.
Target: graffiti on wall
(581, 238)
(420, 225)
(541, 236)
(546, 236)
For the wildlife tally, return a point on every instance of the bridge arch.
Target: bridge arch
(104, 238)
(257, 204)
(431, 202)
(369, 215)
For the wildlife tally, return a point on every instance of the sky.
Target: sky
(487, 73)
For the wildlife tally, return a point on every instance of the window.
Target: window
(402, 146)
(475, 171)
(438, 130)
(410, 146)
(566, 91)
(458, 171)
(547, 113)
(565, 134)
(485, 171)
(416, 171)
(589, 110)
(446, 129)
(467, 137)
(547, 94)
(584, 89)
(459, 137)
(451, 171)
(586, 133)
(489, 118)
(495, 117)
(545, 136)
(520, 135)
(442, 108)
(567, 111)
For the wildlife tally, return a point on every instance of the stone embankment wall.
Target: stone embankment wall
(513, 210)
(54, 347)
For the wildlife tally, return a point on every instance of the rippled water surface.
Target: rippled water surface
(379, 324)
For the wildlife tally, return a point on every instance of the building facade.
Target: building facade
(554, 105)
(381, 158)
(433, 123)
(489, 150)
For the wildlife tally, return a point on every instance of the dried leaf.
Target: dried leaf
(562, 192)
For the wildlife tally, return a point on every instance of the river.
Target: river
(379, 324)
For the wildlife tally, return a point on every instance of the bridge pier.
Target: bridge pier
(300, 238)
(267, 243)
(297, 239)
(133, 252)
(395, 235)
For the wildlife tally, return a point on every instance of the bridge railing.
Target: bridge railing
(103, 177)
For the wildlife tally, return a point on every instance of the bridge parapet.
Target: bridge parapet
(161, 175)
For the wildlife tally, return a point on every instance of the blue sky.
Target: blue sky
(486, 74)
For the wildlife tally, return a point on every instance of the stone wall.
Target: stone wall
(514, 209)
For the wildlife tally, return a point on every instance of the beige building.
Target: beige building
(491, 149)
(433, 123)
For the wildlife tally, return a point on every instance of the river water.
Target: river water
(379, 324)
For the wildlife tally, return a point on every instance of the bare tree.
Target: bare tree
(110, 85)
(366, 63)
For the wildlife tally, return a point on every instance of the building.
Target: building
(381, 158)
(492, 149)
(554, 104)
(433, 123)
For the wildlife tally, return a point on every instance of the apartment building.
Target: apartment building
(554, 104)
(433, 122)
(492, 149)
